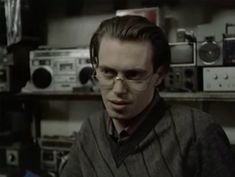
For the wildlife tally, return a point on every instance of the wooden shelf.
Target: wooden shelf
(171, 96)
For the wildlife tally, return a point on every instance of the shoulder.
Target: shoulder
(92, 125)
(190, 119)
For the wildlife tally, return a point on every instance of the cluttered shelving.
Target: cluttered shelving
(171, 96)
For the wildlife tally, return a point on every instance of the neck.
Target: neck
(124, 123)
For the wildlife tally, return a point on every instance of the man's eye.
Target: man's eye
(134, 75)
(109, 73)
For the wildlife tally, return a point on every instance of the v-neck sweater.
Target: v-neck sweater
(173, 141)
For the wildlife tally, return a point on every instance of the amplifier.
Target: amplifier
(219, 78)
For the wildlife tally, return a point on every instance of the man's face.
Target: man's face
(127, 60)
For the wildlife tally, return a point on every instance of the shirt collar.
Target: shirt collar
(120, 134)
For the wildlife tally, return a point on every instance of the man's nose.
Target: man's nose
(120, 86)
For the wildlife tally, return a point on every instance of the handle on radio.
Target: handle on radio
(227, 25)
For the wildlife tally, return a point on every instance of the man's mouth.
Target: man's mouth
(119, 104)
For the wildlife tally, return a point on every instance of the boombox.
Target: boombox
(60, 69)
(183, 79)
(183, 54)
(229, 45)
(209, 52)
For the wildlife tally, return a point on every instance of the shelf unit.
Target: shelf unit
(171, 96)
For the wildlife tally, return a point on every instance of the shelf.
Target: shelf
(66, 95)
(199, 96)
(171, 96)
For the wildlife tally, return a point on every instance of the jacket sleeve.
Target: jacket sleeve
(72, 167)
(211, 154)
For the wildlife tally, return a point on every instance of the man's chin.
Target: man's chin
(117, 115)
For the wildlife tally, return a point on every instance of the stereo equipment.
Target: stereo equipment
(54, 153)
(229, 45)
(60, 69)
(182, 79)
(153, 14)
(209, 52)
(219, 78)
(183, 54)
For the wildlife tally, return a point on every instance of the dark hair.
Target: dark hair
(134, 28)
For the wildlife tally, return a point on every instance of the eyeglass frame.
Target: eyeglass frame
(123, 79)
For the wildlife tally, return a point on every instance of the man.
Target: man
(138, 134)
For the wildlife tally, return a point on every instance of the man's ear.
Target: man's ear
(160, 75)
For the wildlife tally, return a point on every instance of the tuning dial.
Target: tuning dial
(215, 76)
(226, 76)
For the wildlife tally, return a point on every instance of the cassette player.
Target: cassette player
(60, 69)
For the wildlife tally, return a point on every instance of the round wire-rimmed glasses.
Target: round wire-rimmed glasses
(134, 79)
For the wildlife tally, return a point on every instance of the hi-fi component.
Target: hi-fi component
(183, 54)
(182, 79)
(219, 78)
(60, 69)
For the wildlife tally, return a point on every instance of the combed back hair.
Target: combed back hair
(132, 28)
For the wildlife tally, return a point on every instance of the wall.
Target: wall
(76, 31)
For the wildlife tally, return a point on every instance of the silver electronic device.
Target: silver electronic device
(60, 69)
(209, 52)
(219, 78)
(209, 46)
